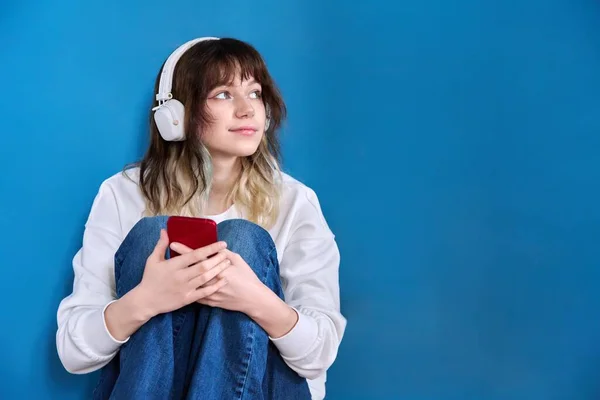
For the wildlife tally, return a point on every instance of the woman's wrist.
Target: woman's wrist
(140, 303)
(275, 316)
(128, 314)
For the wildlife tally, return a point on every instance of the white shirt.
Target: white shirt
(309, 263)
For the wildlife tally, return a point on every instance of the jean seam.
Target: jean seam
(270, 254)
(182, 317)
(247, 364)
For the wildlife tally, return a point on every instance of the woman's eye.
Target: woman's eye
(222, 96)
(255, 95)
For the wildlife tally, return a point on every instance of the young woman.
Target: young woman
(255, 315)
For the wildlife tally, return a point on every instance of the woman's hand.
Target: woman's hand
(168, 285)
(243, 290)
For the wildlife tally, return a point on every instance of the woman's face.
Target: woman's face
(238, 114)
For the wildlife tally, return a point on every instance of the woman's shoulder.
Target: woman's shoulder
(123, 188)
(293, 189)
(301, 214)
(125, 180)
(299, 198)
(119, 201)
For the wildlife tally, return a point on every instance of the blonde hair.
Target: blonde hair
(175, 177)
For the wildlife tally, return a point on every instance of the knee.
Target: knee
(143, 236)
(130, 258)
(240, 231)
(250, 241)
(148, 225)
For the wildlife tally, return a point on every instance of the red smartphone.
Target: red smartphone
(191, 231)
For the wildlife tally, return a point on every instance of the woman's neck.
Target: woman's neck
(225, 173)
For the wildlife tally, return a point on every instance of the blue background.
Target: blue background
(453, 145)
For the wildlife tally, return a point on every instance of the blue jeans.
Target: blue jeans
(199, 352)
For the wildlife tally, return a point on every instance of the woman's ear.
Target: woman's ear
(268, 114)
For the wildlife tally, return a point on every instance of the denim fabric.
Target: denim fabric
(199, 352)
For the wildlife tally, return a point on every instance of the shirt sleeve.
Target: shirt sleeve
(310, 278)
(82, 338)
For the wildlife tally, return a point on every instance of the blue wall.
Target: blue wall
(455, 154)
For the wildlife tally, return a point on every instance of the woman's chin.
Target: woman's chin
(234, 151)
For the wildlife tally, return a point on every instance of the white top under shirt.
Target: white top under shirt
(309, 263)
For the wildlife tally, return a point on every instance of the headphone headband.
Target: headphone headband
(166, 77)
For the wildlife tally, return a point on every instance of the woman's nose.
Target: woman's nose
(244, 109)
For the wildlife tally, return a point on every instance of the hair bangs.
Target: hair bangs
(232, 59)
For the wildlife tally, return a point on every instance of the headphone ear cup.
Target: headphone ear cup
(169, 118)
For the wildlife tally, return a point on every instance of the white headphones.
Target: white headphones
(169, 115)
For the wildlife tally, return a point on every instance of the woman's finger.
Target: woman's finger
(180, 248)
(211, 277)
(200, 254)
(202, 268)
(207, 290)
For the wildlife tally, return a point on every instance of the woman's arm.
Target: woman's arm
(125, 316)
(310, 270)
(83, 341)
(271, 313)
